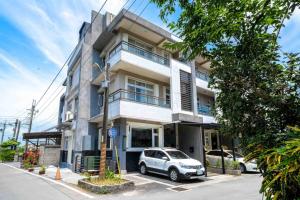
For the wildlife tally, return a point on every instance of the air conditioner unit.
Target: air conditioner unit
(69, 116)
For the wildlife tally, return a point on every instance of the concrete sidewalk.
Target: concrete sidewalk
(66, 174)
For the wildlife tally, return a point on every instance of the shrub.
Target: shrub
(7, 151)
(235, 165)
(109, 174)
(218, 164)
(281, 168)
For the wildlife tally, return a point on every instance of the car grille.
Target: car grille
(196, 167)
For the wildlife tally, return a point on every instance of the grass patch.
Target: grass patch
(106, 181)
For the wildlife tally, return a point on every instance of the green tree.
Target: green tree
(258, 83)
(7, 150)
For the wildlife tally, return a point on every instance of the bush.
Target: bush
(281, 168)
(218, 164)
(109, 174)
(7, 151)
(235, 165)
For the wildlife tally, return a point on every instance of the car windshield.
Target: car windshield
(177, 155)
(236, 154)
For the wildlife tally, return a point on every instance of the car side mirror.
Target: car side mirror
(165, 158)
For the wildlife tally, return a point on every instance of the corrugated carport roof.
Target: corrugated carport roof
(40, 135)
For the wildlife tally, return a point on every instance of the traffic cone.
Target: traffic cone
(58, 176)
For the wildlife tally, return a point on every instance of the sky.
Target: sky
(36, 39)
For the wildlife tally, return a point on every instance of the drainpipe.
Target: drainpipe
(194, 89)
(204, 154)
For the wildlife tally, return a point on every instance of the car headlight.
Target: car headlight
(253, 161)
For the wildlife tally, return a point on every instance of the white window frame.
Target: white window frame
(155, 86)
(131, 125)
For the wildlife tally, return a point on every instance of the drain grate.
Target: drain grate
(178, 189)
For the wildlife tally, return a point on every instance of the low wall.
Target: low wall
(49, 155)
(227, 171)
(128, 185)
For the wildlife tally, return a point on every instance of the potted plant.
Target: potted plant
(27, 165)
(42, 170)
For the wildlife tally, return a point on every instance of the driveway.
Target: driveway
(15, 184)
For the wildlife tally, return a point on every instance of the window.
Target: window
(76, 108)
(149, 153)
(167, 95)
(155, 135)
(70, 80)
(140, 91)
(141, 137)
(177, 155)
(100, 100)
(159, 155)
(69, 106)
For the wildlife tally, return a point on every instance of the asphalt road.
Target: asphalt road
(18, 185)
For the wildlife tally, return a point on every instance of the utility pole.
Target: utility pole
(15, 128)
(3, 130)
(32, 112)
(103, 139)
(18, 130)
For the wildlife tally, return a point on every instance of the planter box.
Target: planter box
(235, 172)
(227, 171)
(128, 185)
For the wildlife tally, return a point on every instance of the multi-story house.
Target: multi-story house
(156, 98)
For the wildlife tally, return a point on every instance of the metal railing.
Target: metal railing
(139, 97)
(139, 51)
(203, 109)
(202, 75)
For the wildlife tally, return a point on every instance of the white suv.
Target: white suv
(170, 162)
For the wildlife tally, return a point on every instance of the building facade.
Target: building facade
(156, 98)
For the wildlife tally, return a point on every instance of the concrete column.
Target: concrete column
(201, 144)
(194, 89)
(177, 136)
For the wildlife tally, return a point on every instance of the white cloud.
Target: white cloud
(53, 28)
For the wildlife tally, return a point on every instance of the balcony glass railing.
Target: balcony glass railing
(205, 110)
(140, 98)
(140, 52)
(202, 75)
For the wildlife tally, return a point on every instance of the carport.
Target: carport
(190, 138)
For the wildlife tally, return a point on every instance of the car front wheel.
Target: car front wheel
(174, 175)
(143, 169)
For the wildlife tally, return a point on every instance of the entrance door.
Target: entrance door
(214, 141)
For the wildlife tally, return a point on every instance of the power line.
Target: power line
(52, 100)
(65, 63)
(83, 54)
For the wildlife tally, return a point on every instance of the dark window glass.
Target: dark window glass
(177, 155)
(149, 153)
(141, 137)
(160, 154)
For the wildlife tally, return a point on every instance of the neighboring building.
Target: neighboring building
(156, 98)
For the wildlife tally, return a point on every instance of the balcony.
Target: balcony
(126, 104)
(139, 98)
(139, 52)
(204, 110)
(202, 76)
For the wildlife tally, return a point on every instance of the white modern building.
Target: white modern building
(157, 99)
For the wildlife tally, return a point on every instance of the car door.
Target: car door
(160, 163)
(149, 158)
